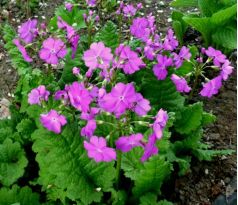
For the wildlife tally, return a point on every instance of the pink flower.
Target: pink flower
(68, 6)
(160, 123)
(217, 56)
(98, 56)
(226, 70)
(52, 50)
(128, 60)
(28, 31)
(212, 87)
(126, 143)
(150, 148)
(141, 28)
(184, 54)
(121, 98)
(180, 83)
(79, 96)
(61, 95)
(97, 149)
(89, 129)
(91, 3)
(170, 42)
(37, 95)
(160, 69)
(76, 71)
(72, 36)
(23, 51)
(142, 105)
(53, 121)
(129, 10)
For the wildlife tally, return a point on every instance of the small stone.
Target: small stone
(5, 13)
(227, 180)
(169, 20)
(206, 171)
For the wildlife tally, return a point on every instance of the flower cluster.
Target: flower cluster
(98, 89)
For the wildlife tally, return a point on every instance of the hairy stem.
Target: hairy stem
(118, 168)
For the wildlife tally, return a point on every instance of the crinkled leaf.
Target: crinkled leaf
(184, 3)
(66, 169)
(12, 162)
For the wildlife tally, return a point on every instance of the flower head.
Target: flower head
(184, 54)
(217, 56)
(52, 50)
(68, 6)
(142, 105)
(126, 143)
(97, 149)
(89, 129)
(226, 70)
(98, 56)
(212, 87)
(23, 51)
(160, 123)
(129, 10)
(53, 121)
(121, 98)
(79, 96)
(160, 69)
(37, 95)
(128, 60)
(180, 83)
(170, 42)
(76, 71)
(91, 3)
(150, 148)
(28, 31)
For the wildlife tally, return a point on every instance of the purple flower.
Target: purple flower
(160, 123)
(121, 98)
(160, 69)
(61, 95)
(129, 10)
(142, 105)
(28, 31)
(149, 53)
(170, 42)
(217, 56)
(97, 149)
(150, 148)
(180, 83)
(128, 60)
(37, 95)
(53, 121)
(52, 50)
(212, 87)
(79, 96)
(98, 56)
(126, 143)
(23, 51)
(72, 36)
(89, 129)
(226, 70)
(141, 29)
(91, 3)
(76, 71)
(91, 115)
(184, 54)
(68, 6)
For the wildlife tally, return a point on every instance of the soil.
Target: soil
(208, 182)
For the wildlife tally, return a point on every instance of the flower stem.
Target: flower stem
(118, 168)
(197, 73)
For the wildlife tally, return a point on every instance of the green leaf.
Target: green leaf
(26, 127)
(184, 3)
(17, 60)
(12, 162)
(190, 119)
(148, 199)
(108, 35)
(222, 16)
(131, 163)
(207, 8)
(207, 118)
(186, 68)
(161, 93)
(152, 176)
(177, 26)
(208, 155)
(165, 202)
(203, 25)
(18, 196)
(226, 37)
(66, 170)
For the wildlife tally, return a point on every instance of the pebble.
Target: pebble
(227, 180)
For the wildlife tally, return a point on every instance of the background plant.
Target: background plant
(215, 20)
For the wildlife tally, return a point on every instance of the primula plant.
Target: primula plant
(104, 114)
